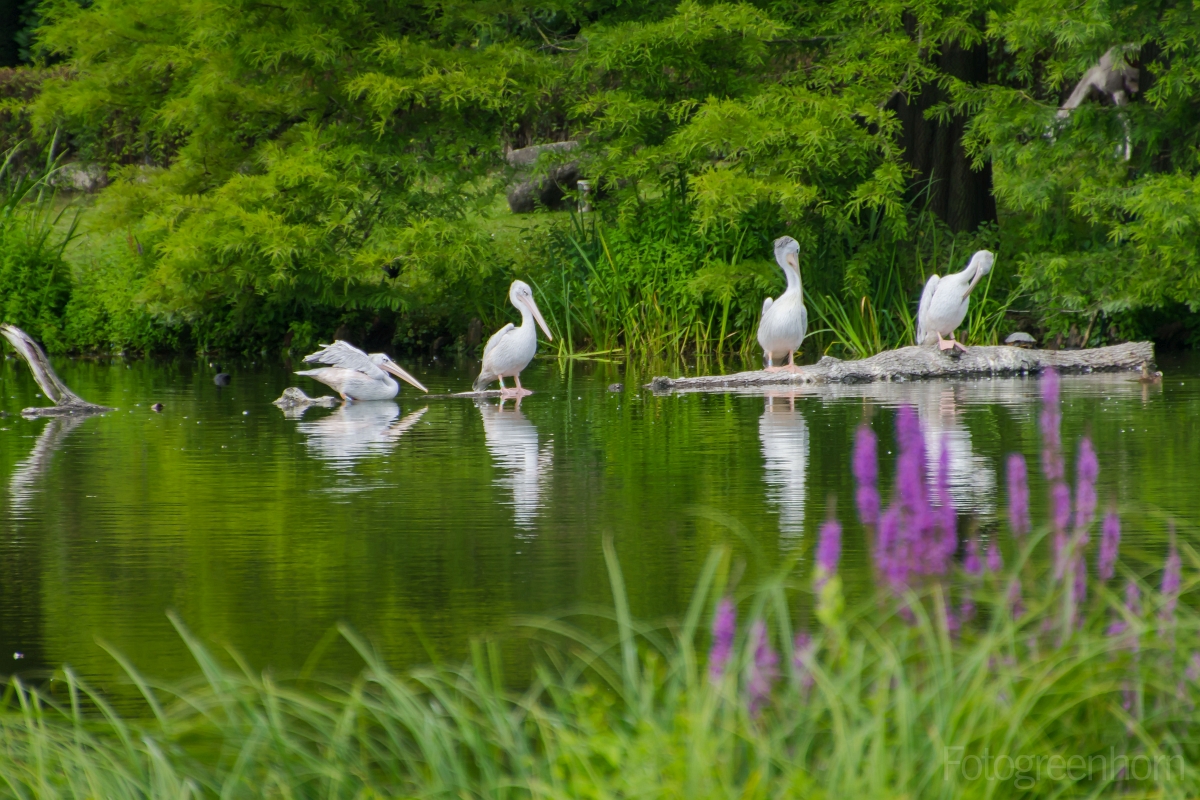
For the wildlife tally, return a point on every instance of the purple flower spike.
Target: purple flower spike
(1060, 502)
(1079, 589)
(1087, 470)
(802, 653)
(1018, 495)
(1110, 542)
(1133, 605)
(971, 563)
(866, 476)
(1015, 605)
(764, 671)
(724, 628)
(994, 562)
(1172, 575)
(829, 550)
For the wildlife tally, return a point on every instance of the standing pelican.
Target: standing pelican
(512, 348)
(944, 302)
(784, 321)
(355, 375)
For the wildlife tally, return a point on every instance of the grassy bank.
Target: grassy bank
(991, 660)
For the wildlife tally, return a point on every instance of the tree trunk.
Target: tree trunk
(960, 196)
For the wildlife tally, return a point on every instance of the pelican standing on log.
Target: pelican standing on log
(355, 375)
(785, 320)
(512, 348)
(944, 302)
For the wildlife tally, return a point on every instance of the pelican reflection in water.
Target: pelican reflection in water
(357, 430)
(784, 436)
(512, 441)
(972, 478)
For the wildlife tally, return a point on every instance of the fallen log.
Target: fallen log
(66, 402)
(926, 363)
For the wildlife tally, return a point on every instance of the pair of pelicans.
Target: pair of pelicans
(356, 375)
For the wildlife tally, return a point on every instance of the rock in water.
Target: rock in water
(293, 400)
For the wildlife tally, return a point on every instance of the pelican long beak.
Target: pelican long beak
(537, 315)
(393, 368)
(979, 272)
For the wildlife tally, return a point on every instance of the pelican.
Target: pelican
(784, 321)
(355, 375)
(944, 302)
(512, 348)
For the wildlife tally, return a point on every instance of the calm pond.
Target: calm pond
(425, 523)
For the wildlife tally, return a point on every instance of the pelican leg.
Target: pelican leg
(520, 392)
(945, 344)
(791, 365)
(770, 367)
(505, 392)
(956, 343)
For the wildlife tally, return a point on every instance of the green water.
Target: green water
(425, 523)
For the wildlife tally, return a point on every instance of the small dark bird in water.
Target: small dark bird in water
(1148, 376)
(221, 378)
(156, 408)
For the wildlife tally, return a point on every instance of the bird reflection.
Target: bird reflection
(784, 436)
(357, 430)
(972, 477)
(24, 482)
(513, 442)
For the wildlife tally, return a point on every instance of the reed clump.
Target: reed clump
(1027, 663)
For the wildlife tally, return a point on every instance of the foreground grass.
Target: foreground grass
(884, 704)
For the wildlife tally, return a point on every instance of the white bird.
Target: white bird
(785, 320)
(944, 302)
(356, 431)
(512, 348)
(355, 375)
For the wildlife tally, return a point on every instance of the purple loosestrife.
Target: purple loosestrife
(764, 671)
(1110, 543)
(1018, 495)
(723, 630)
(802, 654)
(994, 562)
(1079, 586)
(1086, 472)
(1013, 598)
(971, 562)
(1172, 575)
(829, 550)
(1133, 606)
(866, 476)
(891, 557)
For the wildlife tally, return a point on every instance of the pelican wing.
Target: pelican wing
(495, 340)
(346, 356)
(767, 306)
(923, 309)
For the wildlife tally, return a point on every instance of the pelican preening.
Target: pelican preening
(944, 302)
(355, 375)
(512, 348)
(785, 320)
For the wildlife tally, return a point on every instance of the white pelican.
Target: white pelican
(512, 348)
(944, 302)
(355, 375)
(784, 321)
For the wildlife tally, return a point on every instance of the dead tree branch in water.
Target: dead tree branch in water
(66, 402)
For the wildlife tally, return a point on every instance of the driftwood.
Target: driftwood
(66, 402)
(923, 363)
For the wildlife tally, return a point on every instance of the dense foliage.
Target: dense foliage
(292, 167)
